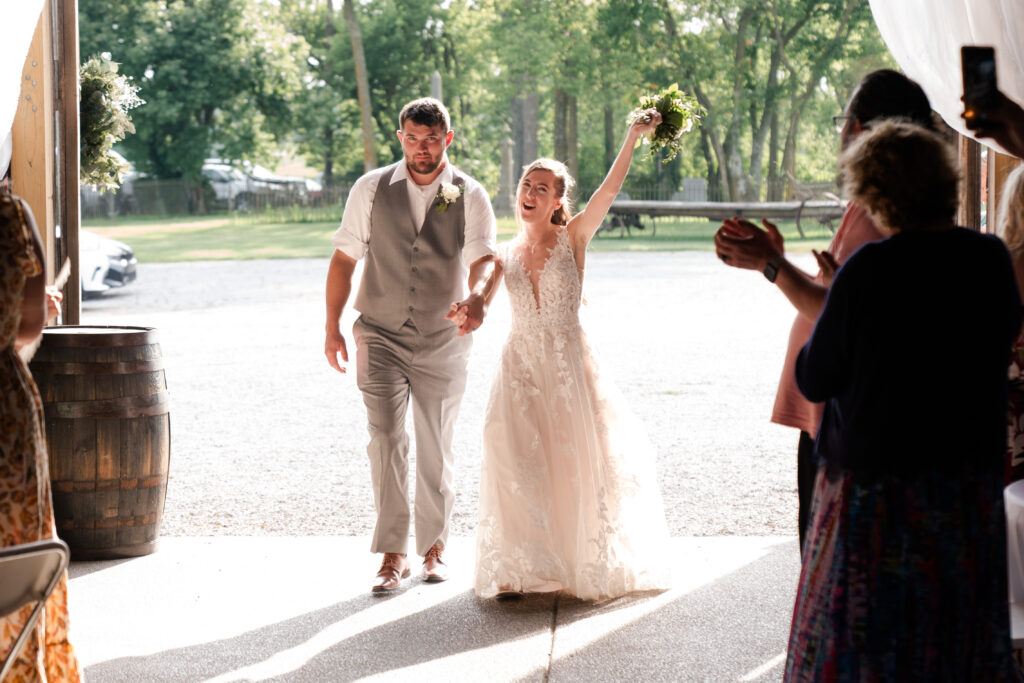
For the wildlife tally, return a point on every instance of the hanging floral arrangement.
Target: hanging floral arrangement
(104, 102)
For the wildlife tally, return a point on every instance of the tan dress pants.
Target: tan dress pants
(393, 367)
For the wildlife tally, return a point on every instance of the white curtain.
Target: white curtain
(17, 27)
(925, 37)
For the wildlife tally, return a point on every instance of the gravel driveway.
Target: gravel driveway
(268, 440)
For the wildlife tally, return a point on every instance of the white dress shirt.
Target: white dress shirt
(353, 236)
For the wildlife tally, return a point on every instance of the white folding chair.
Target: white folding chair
(29, 572)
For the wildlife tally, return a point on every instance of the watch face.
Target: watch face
(771, 270)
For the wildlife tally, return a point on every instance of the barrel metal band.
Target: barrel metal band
(111, 523)
(71, 486)
(129, 406)
(97, 368)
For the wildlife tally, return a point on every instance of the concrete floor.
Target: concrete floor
(299, 609)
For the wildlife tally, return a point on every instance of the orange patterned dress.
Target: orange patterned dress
(26, 508)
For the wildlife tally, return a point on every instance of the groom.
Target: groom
(427, 233)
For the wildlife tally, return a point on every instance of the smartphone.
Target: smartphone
(980, 89)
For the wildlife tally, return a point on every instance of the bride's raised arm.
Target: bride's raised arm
(584, 225)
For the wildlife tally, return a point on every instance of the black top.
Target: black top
(911, 353)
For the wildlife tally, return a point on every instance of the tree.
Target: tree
(218, 77)
(323, 113)
(362, 87)
(778, 55)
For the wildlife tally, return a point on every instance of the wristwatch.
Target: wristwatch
(771, 269)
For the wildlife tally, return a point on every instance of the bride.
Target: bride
(568, 496)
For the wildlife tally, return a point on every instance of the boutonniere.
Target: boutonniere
(447, 195)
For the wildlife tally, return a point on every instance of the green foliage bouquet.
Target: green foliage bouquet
(679, 113)
(105, 100)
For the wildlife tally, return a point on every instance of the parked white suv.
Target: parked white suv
(231, 187)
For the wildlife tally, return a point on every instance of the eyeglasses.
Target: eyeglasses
(840, 121)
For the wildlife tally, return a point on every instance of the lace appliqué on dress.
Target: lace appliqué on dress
(568, 497)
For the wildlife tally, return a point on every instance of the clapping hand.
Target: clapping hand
(828, 265)
(741, 244)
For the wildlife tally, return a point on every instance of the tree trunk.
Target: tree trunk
(516, 111)
(362, 87)
(714, 180)
(531, 107)
(759, 138)
(774, 186)
(571, 138)
(710, 139)
(561, 110)
(798, 103)
(789, 152)
(609, 136)
(328, 132)
(739, 187)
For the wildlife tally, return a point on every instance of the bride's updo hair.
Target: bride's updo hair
(563, 186)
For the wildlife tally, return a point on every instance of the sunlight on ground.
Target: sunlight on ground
(210, 601)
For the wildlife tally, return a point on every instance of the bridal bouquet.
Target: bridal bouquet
(679, 112)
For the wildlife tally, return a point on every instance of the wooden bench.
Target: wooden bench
(625, 213)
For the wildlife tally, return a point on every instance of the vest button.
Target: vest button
(410, 309)
(414, 269)
(412, 289)
(416, 249)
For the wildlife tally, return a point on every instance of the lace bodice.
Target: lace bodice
(557, 302)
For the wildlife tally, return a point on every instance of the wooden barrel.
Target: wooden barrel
(108, 432)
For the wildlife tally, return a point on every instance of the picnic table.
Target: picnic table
(625, 214)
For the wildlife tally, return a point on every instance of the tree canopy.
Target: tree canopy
(240, 78)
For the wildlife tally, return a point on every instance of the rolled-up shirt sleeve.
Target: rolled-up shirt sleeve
(353, 235)
(481, 229)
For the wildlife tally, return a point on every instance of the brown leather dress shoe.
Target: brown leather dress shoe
(394, 568)
(434, 569)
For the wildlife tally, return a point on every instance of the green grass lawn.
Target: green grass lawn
(226, 237)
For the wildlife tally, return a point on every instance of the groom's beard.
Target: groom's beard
(424, 166)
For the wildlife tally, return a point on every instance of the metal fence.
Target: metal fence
(176, 197)
(148, 197)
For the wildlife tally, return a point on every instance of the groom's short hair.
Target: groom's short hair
(426, 111)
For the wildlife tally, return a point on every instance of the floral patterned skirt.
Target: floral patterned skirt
(26, 515)
(904, 580)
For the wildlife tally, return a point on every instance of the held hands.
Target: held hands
(468, 314)
(334, 346)
(741, 244)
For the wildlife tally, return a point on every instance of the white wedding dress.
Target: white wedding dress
(568, 496)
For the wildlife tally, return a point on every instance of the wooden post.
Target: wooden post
(969, 213)
(999, 166)
(65, 18)
(44, 160)
(32, 133)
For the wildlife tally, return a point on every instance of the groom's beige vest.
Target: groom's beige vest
(410, 276)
